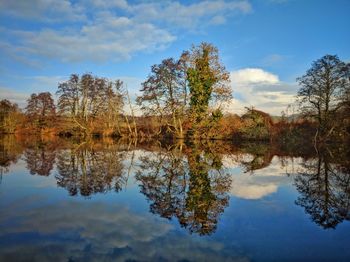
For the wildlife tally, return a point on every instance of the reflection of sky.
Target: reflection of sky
(40, 221)
(259, 183)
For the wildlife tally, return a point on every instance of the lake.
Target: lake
(115, 200)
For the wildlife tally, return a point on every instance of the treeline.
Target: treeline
(183, 98)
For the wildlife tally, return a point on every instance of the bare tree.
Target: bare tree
(164, 94)
(41, 109)
(89, 98)
(9, 116)
(322, 88)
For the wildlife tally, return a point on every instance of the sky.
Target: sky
(264, 44)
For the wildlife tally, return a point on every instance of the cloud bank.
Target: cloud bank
(261, 89)
(102, 30)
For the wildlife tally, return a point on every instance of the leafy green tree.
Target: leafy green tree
(256, 125)
(209, 84)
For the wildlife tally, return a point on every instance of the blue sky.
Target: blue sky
(264, 44)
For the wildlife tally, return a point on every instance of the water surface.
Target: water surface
(109, 200)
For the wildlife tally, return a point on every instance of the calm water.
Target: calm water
(108, 200)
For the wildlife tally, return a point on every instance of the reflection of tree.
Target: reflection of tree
(325, 190)
(10, 151)
(194, 190)
(207, 194)
(86, 170)
(40, 158)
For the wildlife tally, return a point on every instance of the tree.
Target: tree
(88, 98)
(114, 104)
(256, 125)
(322, 89)
(209, 83)
(164, 94)
(193, 83)
(9, 116)
(41, 109)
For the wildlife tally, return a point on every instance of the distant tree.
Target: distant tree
(322, 89)
(256, 125)
(9, 116)
(41, 109)
(68, 102)
(114, 103)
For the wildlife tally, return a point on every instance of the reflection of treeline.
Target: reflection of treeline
(185, 98)
(83, 168)
(41, 153)
(189, 182)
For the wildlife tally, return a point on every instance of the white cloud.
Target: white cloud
(106, 30)
(123, 4)
(274, 59)
(107, 38)
(261, 89)
(253, 76)
(48, 81)
(14, 96)
(189, 16)
(44, 10)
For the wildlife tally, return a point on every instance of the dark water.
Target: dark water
(106, 200)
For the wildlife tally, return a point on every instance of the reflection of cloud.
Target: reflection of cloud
(94, 232)
(244, 189)
(54, 219)
(259, 184)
